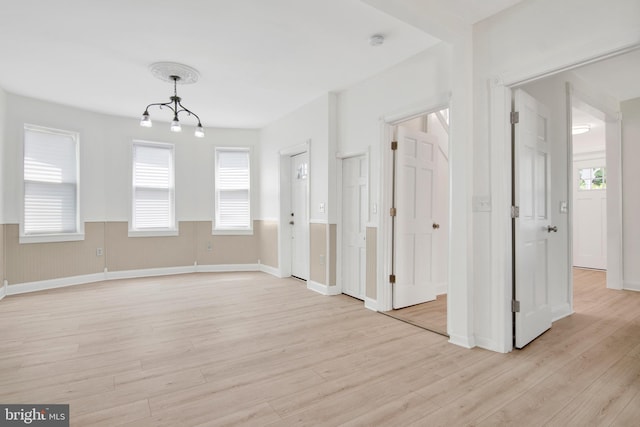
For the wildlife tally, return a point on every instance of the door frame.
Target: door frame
(500, 95)
(340, 157)
(389, 123)
(284, 236)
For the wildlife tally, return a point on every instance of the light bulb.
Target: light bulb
(175, 125)
(199, 131)
(146, 120)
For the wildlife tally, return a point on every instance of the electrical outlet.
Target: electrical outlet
(321, 259)
(209, 248)
(321, 207)
(99, 252)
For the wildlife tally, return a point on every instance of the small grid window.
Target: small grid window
(592, 178)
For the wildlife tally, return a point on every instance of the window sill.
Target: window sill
(246, 232)
(51, 238)
(154, 233)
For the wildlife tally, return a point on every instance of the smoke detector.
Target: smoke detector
(376, 40)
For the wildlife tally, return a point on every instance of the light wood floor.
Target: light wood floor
(249, 349)
(430, 315)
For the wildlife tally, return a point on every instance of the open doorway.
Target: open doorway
(421, 225)
(584, 209)
(589, 187)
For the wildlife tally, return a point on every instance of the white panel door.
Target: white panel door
(354, 219)
(416, 172)
(532, 228)
(590, 214)
(299, 217)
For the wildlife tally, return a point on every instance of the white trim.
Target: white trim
(3, 290)
(462, 341)
(148, 272)
(370, 304)
(225, 268)
(442, 288)
(488, 344)
(322, 289)
(430, 105)
(319, 221)
(47, 238)
(265, 219)
(270, 270)
(342, 156)
(631, 286)
(42, 285)
(561, 311)
(171, 232)
(62, 282)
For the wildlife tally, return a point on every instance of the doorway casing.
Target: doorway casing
(284, 235)
(500, 96)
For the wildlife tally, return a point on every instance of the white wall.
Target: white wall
(630, 197)
(105, 154)
(527, 40)
(310, 122)
(3, 169)
(420, 82)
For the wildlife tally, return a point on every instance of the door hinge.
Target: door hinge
(393, 212)
(392, 278)
(515, 212)
(515, 306)
(394, 145)
(515, 117)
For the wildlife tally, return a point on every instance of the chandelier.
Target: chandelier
(176, 73)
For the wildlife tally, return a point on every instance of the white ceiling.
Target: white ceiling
(594, 140)
(258, 60)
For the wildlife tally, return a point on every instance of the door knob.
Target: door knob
(436, 226)
(550, 229)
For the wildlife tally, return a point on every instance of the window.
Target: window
(51, 182)
(153, 201)
(233, 190)
(592, 179)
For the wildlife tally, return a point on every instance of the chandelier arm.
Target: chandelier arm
(191, 113)
(161, 104)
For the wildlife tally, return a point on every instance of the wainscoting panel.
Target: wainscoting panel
(318, 253)
(222, 249)
(268, 239)
(33, 262)
(372, 263)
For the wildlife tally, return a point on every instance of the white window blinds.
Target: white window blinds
(233, 192)
(153, 187)
(50, 181)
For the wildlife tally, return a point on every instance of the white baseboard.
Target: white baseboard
(226, 268)
(271, 270)
(631, 286)
(3, 289)
(462, 341)
(442, 288)
(148, 272)
(371, 304)
(560, 312)
(42, 285)
(488, 344)
(322, 289)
